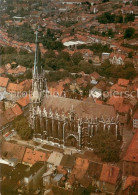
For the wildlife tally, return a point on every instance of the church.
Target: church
(63, 121)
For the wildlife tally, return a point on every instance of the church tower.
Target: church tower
(39, 87)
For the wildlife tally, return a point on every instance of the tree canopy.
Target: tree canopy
(106, 146)
(21, 125)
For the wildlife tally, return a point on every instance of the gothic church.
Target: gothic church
(66, 122)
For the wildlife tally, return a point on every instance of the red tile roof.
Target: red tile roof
(123, 82)
(132, 151)
(12, 87)
(109, 174)
(3, 81)
(135, 116)
(95, 75)
(130, 181)
(79, 170)
(24, 101)
(32, 156)
(17, 110)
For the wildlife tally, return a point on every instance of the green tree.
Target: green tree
(110, 33)
(106, 146)
(77, 57)
(129, 18)
(129, 33)
(21, 125)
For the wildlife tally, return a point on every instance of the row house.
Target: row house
(117, 58)
(105, 177)
(3, 83)
(130, 159)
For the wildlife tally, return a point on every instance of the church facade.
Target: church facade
(63, 121)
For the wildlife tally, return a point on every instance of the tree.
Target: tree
(129, 18)
(110, 33)
(21, 125)
(104, 1)
(129, 32)
(106, 146)
(77, 57)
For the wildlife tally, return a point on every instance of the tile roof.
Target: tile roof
(130, 181)
(135, 116)
(3, 81)
(24, 101)
(17, 110)
(11, 150)
(116, 101)
(123, 82)
(95, 75)
(79, 170)
(109, 174)
(132, 151)
(67, 161)
(32, 156)
(83, 109)
(12, 87)
(117, 88)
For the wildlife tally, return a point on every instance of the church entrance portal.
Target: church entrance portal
(71, 141)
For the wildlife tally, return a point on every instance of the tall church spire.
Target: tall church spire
(37, 61)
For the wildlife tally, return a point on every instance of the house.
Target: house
(130, 185)
(26, 85)
(24, 102)
(105, 56)
(14, 88)
(117, 58)
(110, 179)
(130, 160)
(135, 120)
(78, 172)
(33, 176)
(3, 83)
(94, 77)
(121, 108)
(19, 70)
(11, 178)
(123, 82)
(54, 159)
(68, 162)
(11, 150)
(7, 116)
(47, 176)
(32, 156)
(95, 93)
(92, 175)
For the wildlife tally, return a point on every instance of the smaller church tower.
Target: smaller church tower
(39, 86)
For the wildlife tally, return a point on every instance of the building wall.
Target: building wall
(107, 187)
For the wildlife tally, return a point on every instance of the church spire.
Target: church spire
(37, 60)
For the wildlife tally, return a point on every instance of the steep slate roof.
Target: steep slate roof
(94, 170)
(81, 108)
(109, 174)
(132, 151)
(68, 161)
